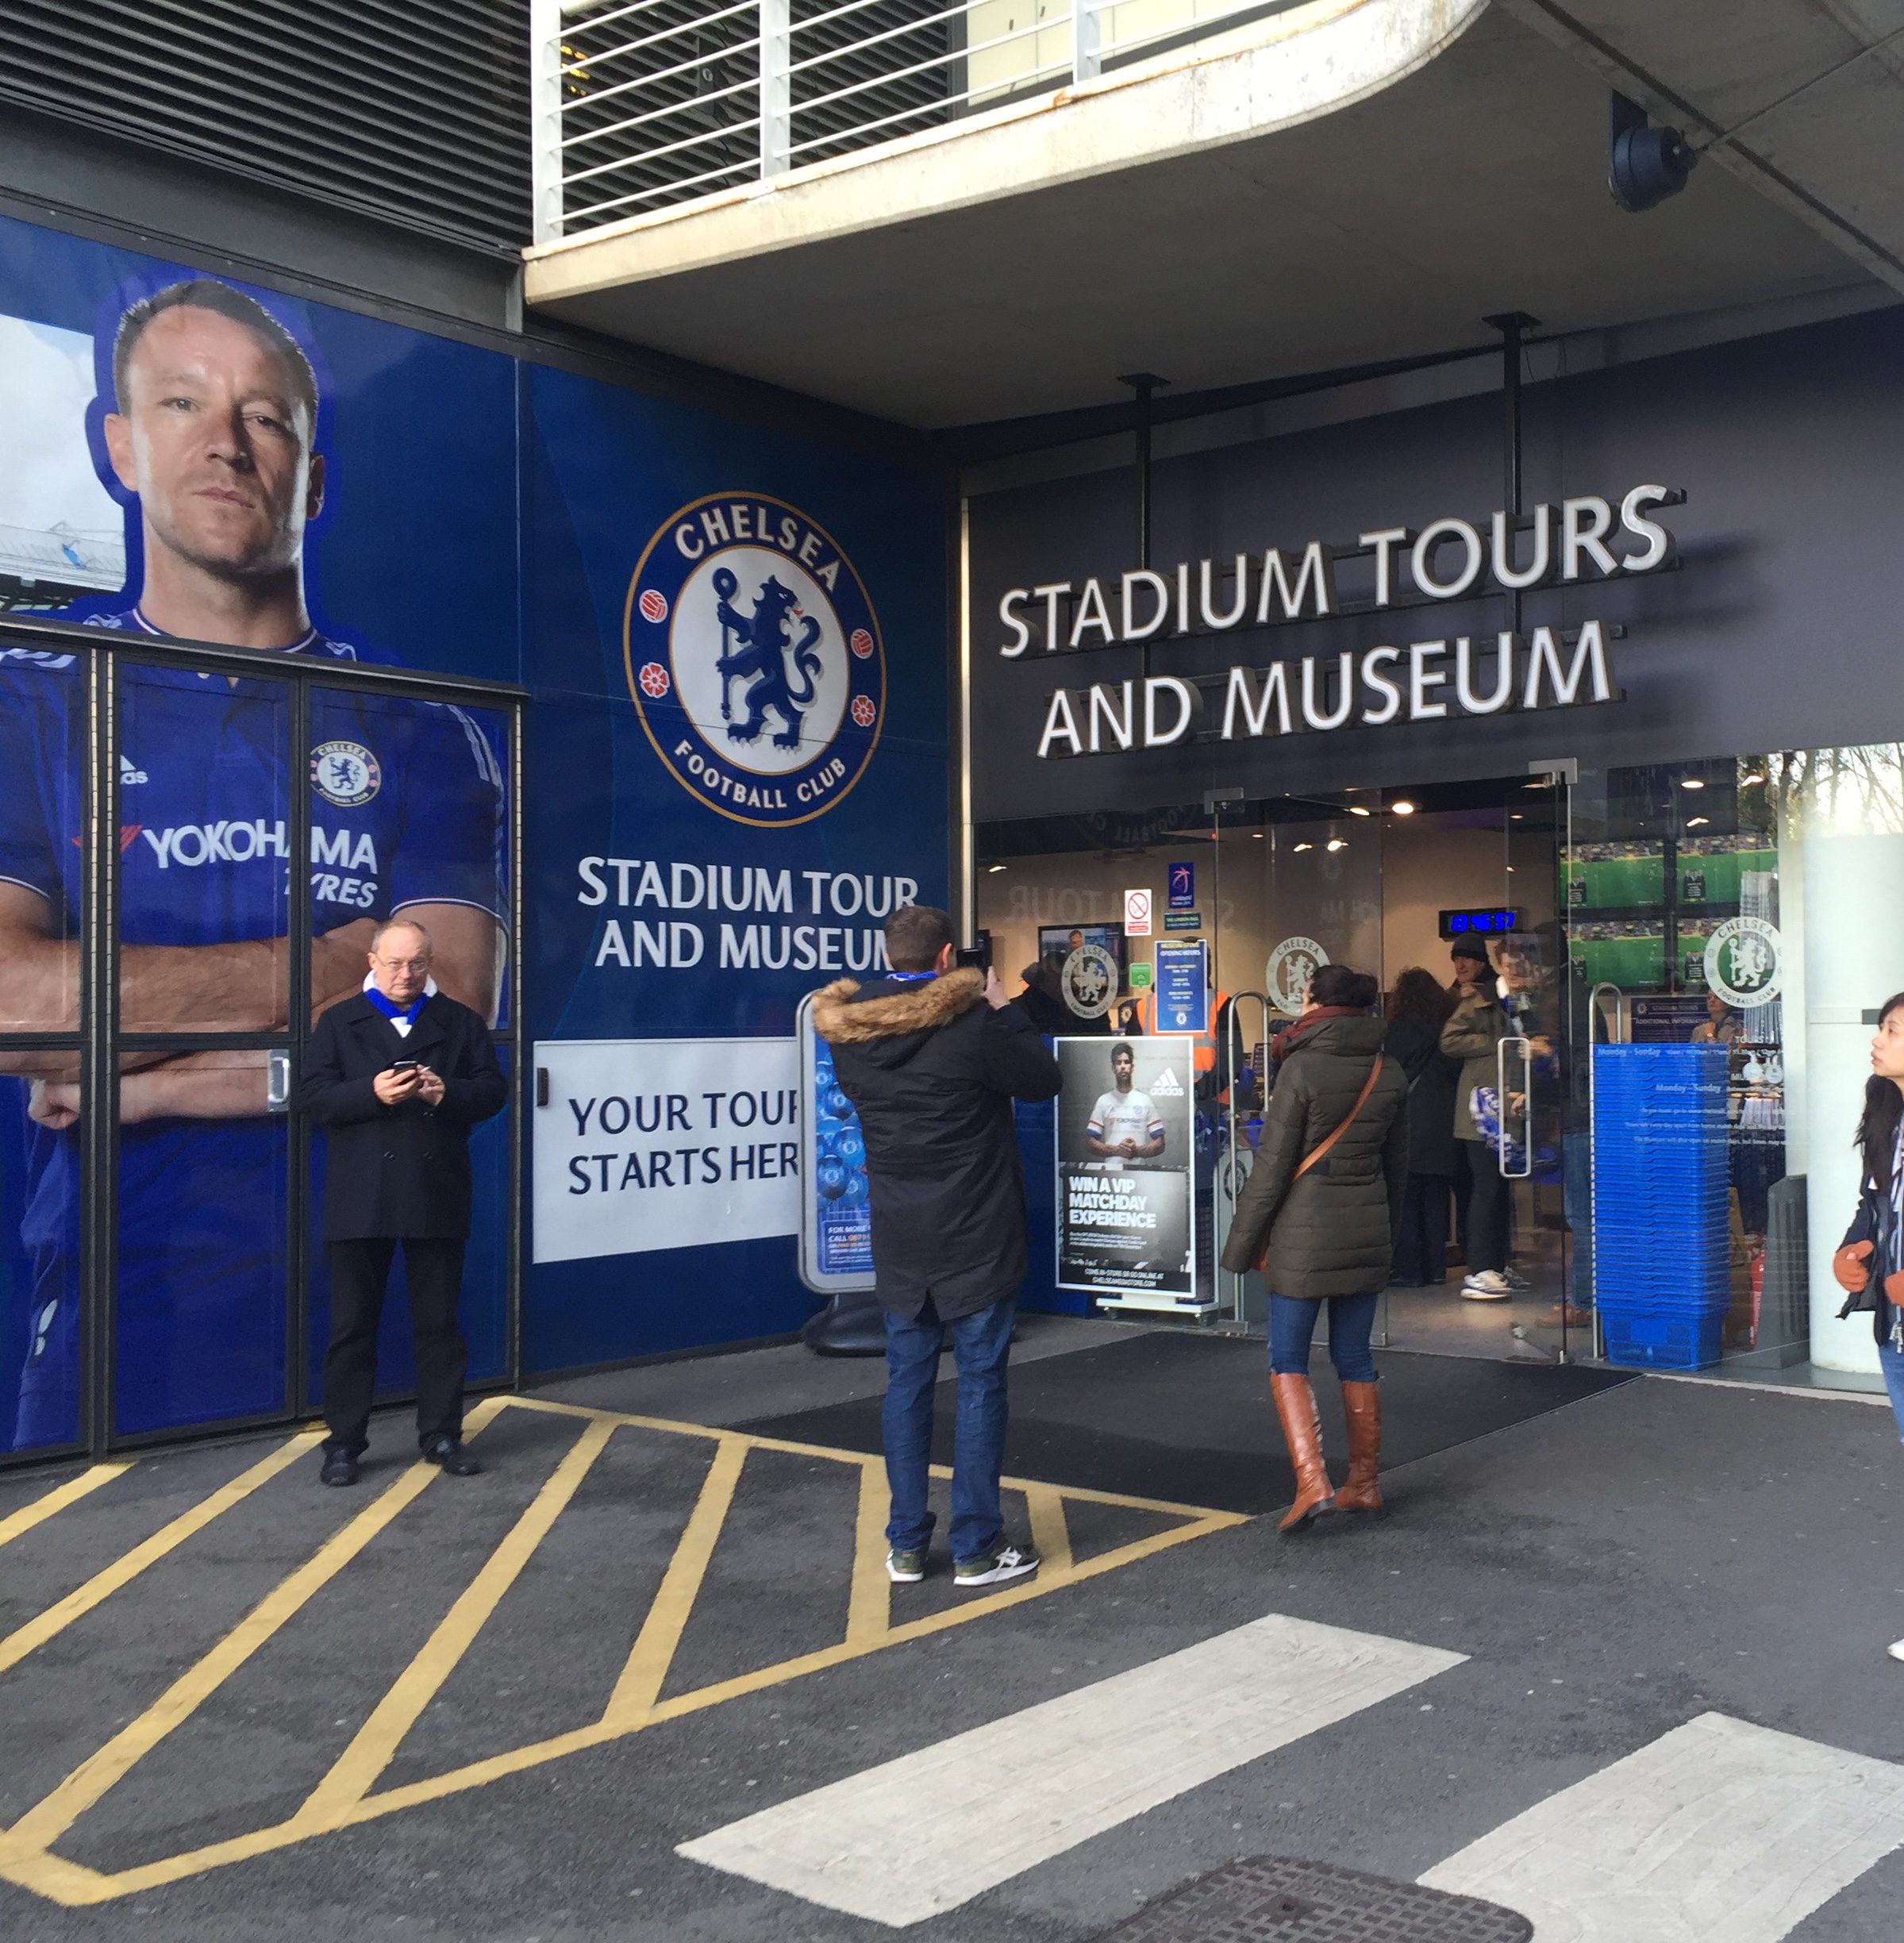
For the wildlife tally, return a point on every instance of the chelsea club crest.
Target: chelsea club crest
(754, 659)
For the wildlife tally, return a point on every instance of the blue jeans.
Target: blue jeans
(1892, 1362)
(1292, 1327)
(981, 1344)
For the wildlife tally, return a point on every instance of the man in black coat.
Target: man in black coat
(931, 1058)
(398, 1075)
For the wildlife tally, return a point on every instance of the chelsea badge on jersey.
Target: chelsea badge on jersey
(345, 773)
(754, 659)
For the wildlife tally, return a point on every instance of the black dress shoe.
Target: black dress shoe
(340, 1467)
(447, 1451)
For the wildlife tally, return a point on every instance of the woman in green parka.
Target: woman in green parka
(1319, 1214)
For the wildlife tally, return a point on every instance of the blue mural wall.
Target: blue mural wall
(735, 761)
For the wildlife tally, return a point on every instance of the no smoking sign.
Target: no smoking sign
(1137, 914)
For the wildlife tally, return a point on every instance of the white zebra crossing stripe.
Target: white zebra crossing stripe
(1719, 1832)
(922, 1834)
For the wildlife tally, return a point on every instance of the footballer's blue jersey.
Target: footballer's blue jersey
(406, 809)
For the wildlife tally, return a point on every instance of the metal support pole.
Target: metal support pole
(1514, 326)
(546, 120)
(776, 86)
(1145, 384)
(1087, 54)
(98, 1058)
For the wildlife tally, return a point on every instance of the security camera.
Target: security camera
(1644, 165)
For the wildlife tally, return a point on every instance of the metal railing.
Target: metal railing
(641, 105)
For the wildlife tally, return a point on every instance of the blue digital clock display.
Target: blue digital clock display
(1490, 922)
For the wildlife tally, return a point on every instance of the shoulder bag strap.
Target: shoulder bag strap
(1320, 1152)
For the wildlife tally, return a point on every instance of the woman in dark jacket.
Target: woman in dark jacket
(1417, 1010)
(1869, 1264)
(1318, 1214)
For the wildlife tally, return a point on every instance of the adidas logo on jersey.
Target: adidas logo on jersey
(1167, 1085)
(129, 774)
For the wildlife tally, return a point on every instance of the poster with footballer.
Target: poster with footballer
(1125, 1155)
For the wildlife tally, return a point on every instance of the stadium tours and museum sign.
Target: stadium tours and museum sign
(1584, 539)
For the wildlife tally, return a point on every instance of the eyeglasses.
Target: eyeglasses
(402, 964)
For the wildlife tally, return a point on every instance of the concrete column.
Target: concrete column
(1853, 946)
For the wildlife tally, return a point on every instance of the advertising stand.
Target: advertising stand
(836, 1214)
(1126, 1173)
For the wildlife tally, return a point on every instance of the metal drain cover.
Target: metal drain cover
(1270, 1899)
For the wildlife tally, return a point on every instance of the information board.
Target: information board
(1182, 969)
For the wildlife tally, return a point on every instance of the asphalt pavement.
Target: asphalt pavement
(234, 1705)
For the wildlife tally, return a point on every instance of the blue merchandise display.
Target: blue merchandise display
(1660, 1215)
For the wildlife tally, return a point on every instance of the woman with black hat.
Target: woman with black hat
(1473, 1035)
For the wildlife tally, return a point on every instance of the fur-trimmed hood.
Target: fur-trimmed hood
(891, 1013)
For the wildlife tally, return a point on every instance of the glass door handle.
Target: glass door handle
(1503, 1096)
(277, 1080)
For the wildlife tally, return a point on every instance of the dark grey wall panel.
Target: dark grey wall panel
(1780, 632)
(57, 172)
(416, 111)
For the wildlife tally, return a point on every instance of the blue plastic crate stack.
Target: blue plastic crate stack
(1660, 1260)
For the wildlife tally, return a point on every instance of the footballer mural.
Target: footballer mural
(206, 427)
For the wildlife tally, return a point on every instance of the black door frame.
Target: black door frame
(100, 1043)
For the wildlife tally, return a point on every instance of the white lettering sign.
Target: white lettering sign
(1580, 539)
(650, 1143)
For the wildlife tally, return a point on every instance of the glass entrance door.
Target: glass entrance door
(1543, 1078)
(1299, 884)
(1391, 882)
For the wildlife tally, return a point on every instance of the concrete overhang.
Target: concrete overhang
(1340, 183)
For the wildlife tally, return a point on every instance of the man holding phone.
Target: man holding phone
(398, 1075)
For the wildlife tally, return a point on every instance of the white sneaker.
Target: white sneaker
(995, 1567)
(1896, 1649)
(1486, 1285)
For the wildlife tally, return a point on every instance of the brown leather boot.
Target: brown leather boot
(1361, 1404)
(1303, 1432)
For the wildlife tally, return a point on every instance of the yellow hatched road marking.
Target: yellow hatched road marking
(1049, 1531)
(869, 1604)
(102, 1586)
(369, 1753)
(17, 1523)
(342, 1799)
(632, 1700)
(46, 1821)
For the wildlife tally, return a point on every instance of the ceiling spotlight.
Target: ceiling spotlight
(1357, 809)
(1403, 807)
(1757, 775)
(1337, 843)
(1257, 834)
(1695, 822)
(1300, 847)
(992, 869)
(1692, 782)
(1514, 816)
